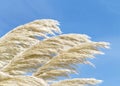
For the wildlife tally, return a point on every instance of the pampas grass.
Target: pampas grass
(77, 82)
(22, 52)
(23, 37)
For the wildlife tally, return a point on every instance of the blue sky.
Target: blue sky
(99, 19)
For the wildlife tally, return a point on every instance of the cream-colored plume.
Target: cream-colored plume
(42, 52)
(77, 82)
(32, 55)
(8, 80)
(69, 58)
(24, 36)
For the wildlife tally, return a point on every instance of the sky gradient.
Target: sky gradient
(99, 19)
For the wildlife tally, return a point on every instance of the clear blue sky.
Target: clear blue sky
(100, 19)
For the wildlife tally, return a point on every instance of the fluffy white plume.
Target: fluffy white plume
(8, 80)
(22, 51)
(78, 82)
(24, 36)
(69, 58)
(42, 52)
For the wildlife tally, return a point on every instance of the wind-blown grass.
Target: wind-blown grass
(21, 52)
